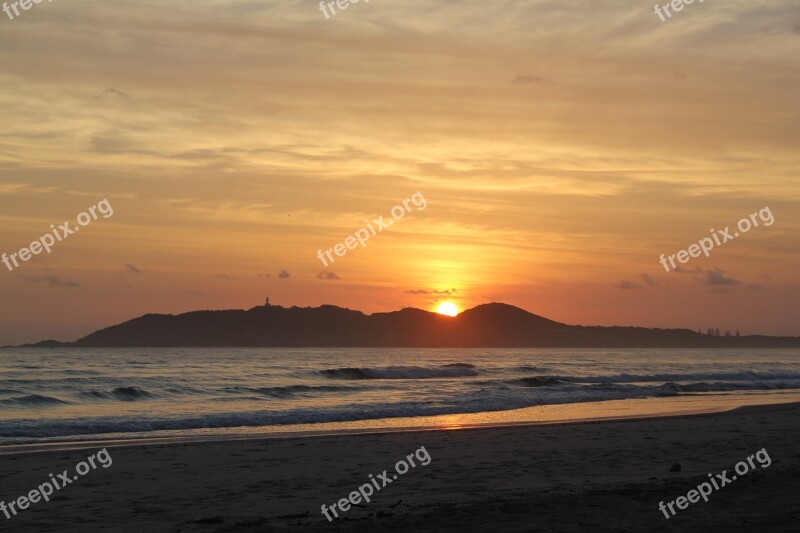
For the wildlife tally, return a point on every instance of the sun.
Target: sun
(447, 308)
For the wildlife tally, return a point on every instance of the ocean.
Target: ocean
(51, 395)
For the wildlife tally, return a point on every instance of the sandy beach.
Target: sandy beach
(589, 476)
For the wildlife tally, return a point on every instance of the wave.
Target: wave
(35, 428)
(452, 370)
(526, 368)
(122, 394)
(33, 399)
(627, 390)
(728, 386)
(291, 391)
(656, 384)
(538, 381)
(664, 378)
(483, 400)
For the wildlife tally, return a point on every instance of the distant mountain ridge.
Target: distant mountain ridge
(493, 325)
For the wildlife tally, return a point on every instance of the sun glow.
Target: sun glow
(447, 308)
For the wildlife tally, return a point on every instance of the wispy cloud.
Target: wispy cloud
(52, 281)
(521, 79)
(446, 292)
(112, 93)
(649, 280)
(716, 278)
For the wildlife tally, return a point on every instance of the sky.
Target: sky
(560, 147)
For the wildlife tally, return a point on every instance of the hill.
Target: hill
(489, 325)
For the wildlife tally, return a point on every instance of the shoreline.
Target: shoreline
(545, 415)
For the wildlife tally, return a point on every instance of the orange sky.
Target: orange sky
(561, 148)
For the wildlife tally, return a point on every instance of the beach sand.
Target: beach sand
(588, 476)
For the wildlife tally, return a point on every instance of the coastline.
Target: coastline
(573, 413)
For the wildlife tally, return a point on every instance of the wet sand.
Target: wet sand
(587, 476)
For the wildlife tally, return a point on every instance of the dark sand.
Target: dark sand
(591, 476)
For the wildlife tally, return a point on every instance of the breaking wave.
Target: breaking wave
(33, 399)
(122, 394)
(453, 370)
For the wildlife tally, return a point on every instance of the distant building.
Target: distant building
(266, 303)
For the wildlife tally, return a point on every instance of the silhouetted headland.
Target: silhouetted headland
(489, 325)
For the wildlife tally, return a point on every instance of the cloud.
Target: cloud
(283, 274)
(446, 292)
(328, 275)
(628, 285)
(132, 268)
(695, 270)
(716, 278)
(221, 276)
(436, 296)
(112, 93)
(264, 275)
(52, 281)
(522, 79)
(649, 280)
